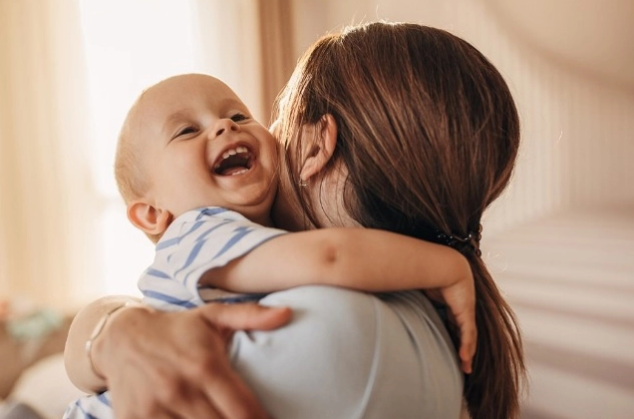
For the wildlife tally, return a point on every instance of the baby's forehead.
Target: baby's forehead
(180, 96)
(180, 93)
(192, 83)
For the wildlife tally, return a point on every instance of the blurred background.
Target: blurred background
(560, 241)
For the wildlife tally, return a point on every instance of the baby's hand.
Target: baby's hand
(460, 298)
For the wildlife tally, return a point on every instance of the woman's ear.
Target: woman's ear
(152, 220)
(322, 148)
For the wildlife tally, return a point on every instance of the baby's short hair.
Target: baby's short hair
(128, 167)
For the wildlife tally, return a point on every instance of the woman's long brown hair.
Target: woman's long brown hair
(429, 133)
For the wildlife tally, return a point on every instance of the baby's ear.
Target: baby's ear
(322, 149)
(152, 220)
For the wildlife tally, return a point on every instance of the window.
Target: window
(129, 45)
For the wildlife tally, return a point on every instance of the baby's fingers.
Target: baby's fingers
(468, 342)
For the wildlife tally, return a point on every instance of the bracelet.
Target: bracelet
(97, 332)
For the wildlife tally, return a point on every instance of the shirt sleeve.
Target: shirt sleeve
(196, 243)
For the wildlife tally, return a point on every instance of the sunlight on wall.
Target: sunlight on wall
(129, 45)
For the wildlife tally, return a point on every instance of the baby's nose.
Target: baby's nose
(226, 125)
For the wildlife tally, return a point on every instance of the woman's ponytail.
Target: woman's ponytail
(492, 390)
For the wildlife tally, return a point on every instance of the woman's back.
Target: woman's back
(352, 355)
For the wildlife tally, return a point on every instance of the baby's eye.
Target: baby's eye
(186, 131)
(239, 117)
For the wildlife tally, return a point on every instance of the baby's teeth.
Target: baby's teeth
(231, 152)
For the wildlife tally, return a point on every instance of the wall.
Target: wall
(577, 124)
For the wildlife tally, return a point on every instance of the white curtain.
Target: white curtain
(260, 32)
(45, 194)
(63, 233)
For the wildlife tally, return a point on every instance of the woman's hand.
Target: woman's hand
(175, 365)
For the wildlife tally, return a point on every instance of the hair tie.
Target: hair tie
(470, 243)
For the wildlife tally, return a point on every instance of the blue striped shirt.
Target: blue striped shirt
(195, 243)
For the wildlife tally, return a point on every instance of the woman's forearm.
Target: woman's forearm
(78, 365)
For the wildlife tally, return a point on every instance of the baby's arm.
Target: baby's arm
(356, 258)
(361, 259)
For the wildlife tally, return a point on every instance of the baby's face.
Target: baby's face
(201, 147)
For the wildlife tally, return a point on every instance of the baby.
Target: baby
(199, 176)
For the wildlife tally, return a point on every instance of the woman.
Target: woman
(399, 127)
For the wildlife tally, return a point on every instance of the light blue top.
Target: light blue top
(352, 355)
(345, 354)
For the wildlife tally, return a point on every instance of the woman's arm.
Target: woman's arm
(157, 363)
(361, 259)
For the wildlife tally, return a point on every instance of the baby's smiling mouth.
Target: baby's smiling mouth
(234, 161)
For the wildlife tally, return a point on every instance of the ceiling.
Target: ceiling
(594, 36)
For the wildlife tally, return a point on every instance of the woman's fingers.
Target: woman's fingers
(206, 365)
(175, 365)
(166, 391)
(223, 387)
(245, 316)
(198, 407)
(192, 405)
(185, 404)
(232, 397)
